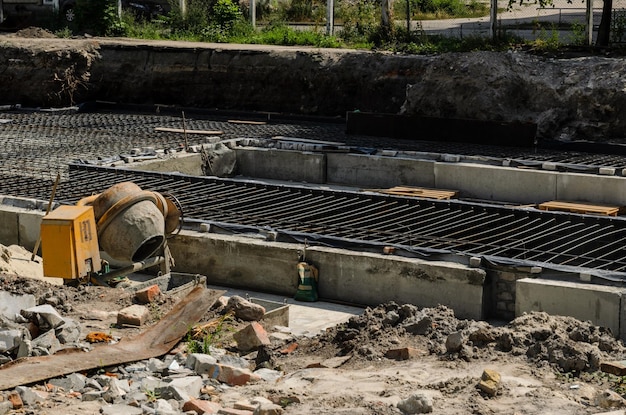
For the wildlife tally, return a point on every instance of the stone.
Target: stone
(134, 315)
(247, 406)
(417, 403)
(10, 339)
(251, 337)
(454, 342)
(245, 309)
(232, 360)
(201, 406)
(30, 396)
(45, 315)
(12, 304)
(268, 409)
(45, 344)
(68, 332)
(182, 388)
(201, 363)
(120, 409)
(156, 365)
(92, 396)
(148, 294)
(490, 382)
(404, 353)
(72, 382)
(5, 407)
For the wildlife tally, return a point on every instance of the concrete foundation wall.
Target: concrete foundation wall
(377, 171)
(371, 279)
(476, 181)
(591, 188)
(355, 277)
(599, 304)
(496, 183)
(286, 165)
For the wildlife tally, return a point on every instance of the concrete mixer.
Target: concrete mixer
(128, 224)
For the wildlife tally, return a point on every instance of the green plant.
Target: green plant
(226, 13)
(200, 339)
(152, 395)
(99, 17)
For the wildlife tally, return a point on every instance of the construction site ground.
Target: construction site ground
(548, 364)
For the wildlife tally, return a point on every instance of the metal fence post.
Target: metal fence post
(330, 17)
(493, 19)
(183, 8)
(253, 13)
(589, 31)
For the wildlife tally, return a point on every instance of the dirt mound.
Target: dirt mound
(570, 345)
(35, 32)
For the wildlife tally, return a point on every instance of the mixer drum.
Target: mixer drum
(130, 225)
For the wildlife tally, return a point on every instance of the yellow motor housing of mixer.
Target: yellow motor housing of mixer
(69, 243)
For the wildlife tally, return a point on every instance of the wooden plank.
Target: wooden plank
(574, 207)
(182, 131)
(417, 192)
(247, 122)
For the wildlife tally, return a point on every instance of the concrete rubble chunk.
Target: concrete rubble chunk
(30, 396)
(417, 403)
(490, 382)
(12, 304)
(45, 344)
(236, 361)
(45, 315)
(200, 363)
(72, 382)
(182, 389)
(69, 332)
(5, 407)
(134, 315)
(245, 309)
(251, 337)
(10, 339)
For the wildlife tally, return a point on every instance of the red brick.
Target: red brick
(148, 294)
(289, 349)
(200, 406)
(16, 400)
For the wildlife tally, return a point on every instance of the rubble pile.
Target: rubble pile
(571, 345)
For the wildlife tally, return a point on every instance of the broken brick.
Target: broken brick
(489, 382)
(404, 353)
(292, 347)
(148, 294)
(16, 400)
(201, 406)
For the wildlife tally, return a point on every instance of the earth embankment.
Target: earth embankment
(580, 98)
